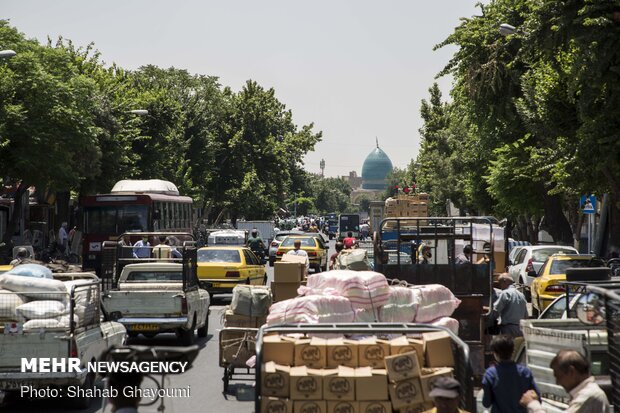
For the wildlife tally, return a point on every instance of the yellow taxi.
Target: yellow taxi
(545, 288)
(221, 268)
(314, 247)
(5, 268)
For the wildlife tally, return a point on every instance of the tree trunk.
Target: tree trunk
(63, 214)
(555, 221)
(5, 250)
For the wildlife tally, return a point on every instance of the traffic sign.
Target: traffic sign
(587, 204)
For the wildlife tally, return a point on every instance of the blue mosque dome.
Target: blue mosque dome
(375, 170)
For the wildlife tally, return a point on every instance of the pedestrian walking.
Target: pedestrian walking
(63, 238)
(572, 371)
(504, 383)
(510, 307)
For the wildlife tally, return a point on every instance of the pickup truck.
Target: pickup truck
(544, 338)
(87, 337)
(157, 297)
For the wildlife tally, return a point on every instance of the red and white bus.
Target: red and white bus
(132, 206)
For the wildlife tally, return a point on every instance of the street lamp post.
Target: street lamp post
(139, 112)
(506, 29)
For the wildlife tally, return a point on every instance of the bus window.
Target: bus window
(116, 219)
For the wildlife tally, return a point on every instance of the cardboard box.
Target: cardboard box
(288, 272)
(279, 349)
(372, 352)
(429, 375)
(310, 406)
(275, 405)
(284, 291)
(236, 320)
(275, 380)
(375, 407)
(371, 384)
(311, 352)
(416, 408)
(341, 352)
(404, 344)
(236, 346)
(306, 384)
(402, 366)
(339, 384)
(342, 406)
(438, 349)
(406, 392)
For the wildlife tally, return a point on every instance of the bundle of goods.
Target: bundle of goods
(249, 306)
(365, 296)
(366, 376)
(29, 295)
(311, 309)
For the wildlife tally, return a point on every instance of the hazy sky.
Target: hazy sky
(357, 68)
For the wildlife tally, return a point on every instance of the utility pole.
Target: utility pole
(322, 166)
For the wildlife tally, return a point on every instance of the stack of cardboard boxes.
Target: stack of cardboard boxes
(315, 375)
(288, 276)
(407, 206)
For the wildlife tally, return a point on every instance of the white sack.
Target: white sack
(447, 322)
(365, 289)
(401, 307)
(41, 323)
(9, 301)
(31, 270)
(63, 321)
(311, 309)
(435, 301)
(31, 287)
(41, 309)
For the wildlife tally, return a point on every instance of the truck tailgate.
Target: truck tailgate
(143, 303)
(14, 347)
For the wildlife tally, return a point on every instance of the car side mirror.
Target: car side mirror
(590, 309)
(532, 274)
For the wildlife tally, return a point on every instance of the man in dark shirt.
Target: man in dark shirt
(505, 383)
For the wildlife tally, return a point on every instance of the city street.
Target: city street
(204, 379)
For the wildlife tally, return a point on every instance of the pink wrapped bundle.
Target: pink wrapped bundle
(365, 289)
(311, 309)
(434, 301)
(401, 306)
(447, 322)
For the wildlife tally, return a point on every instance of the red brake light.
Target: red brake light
(184, 305)
(232, 274)
(529, 267)
(73, 349)
(311, 254)
(279, 252)
(555, 289)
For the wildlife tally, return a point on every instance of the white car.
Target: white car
(531, 258)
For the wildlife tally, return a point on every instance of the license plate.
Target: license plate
(13, 328)
(143, 327)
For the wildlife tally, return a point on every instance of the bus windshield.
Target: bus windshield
(116, 219)
(349, 223)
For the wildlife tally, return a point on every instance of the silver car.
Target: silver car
(277, 240)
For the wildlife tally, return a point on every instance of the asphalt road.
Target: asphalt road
(204, 380)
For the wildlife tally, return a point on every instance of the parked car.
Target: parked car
(275, 243)
(545, 288)
(531, 258)
(221, 268)
(316, 249)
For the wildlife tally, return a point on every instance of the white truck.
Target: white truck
(266, 230)
(73, 329)
(159, 297)
(544, 338)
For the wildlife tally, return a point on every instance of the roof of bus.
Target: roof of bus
(124, 198)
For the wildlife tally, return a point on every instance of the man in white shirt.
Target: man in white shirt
(572, 371)
(63, 238)
(299, 252)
